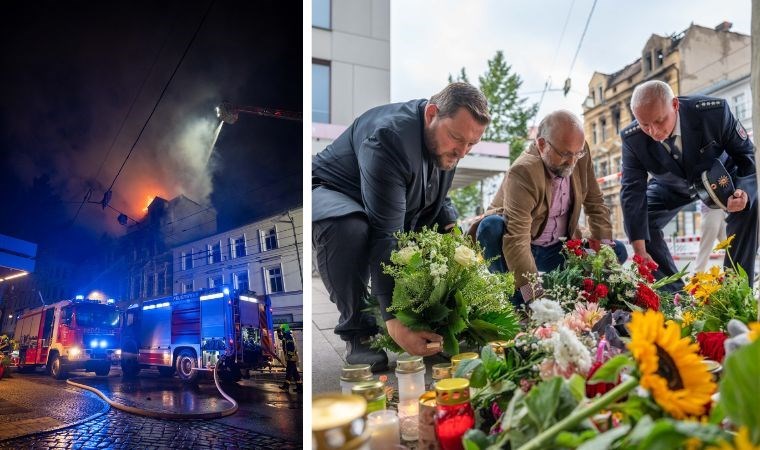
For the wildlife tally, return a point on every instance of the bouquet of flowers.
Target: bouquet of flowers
(442, 284)
(717, 296)
(600, 278)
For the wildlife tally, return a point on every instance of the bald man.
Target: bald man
(539, 203)
(674, 140)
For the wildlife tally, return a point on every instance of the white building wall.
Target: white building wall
(739, 97)
(288, 257)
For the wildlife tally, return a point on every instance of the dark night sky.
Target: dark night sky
(71, 70)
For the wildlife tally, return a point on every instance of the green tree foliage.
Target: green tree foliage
(466, 199)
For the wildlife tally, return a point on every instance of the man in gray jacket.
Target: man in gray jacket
(390, 171)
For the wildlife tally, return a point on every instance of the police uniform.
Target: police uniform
(657, 178)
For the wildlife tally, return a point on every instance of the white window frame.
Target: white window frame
(185, 284)
(267, 283)
(233, 246)
(210, 252)
(264, 234)
(184, 260)
(211, 283)
(248, 275)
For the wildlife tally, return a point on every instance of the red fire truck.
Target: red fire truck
(197, 331)
(69, 335)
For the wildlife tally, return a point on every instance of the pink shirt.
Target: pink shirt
(556, 223)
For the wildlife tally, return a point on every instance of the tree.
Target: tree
(509, 123)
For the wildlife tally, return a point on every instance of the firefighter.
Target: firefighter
(291, 358)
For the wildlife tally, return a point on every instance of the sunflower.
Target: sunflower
(671, 368)
(724, 244)
(754, 331)
(741, 442)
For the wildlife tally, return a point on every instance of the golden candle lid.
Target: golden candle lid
(441, 371)
(498, 346)
(356, 372)
(428, 399)
(338, 421)
(409, 364)
(456, 359)
(452, 391)
(370, 390)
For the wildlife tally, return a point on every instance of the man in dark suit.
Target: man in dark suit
(675, 140)
(391, 170)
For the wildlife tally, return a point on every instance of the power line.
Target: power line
(585, 28)
(161, 95)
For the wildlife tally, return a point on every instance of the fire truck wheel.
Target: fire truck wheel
(56, 368)
(186, 362)
(129, 365)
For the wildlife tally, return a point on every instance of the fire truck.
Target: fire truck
(69, 335)
(197, 331)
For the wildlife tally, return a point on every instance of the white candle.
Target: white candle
(384, 429)
(408, 410)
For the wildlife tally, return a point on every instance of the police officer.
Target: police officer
(674, 140)
(291, 358)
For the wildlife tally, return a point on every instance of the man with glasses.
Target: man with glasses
(391, 170)
(668, 150)
(539, 203)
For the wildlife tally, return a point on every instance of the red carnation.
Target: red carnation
(711, 345)
(573, 243)
(647, 298)
(588, 285)
(601, 290)
(592, 390)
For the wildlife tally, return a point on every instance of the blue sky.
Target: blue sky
(431, 39)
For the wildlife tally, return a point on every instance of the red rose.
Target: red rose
(592, 390)
(638, 259)
(588, 285)
(573, 243)
(711, 345)
(647, 298)
(601, 290)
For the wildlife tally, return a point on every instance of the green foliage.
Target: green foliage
(442, 285)
(610, 370)
(466, 199)
(739, 387)
(509, 112)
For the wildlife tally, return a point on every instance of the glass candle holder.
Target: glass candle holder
(427, 439)
(384, 429)
(337, 422)
(441, 371)
(374, 394)
(353, 374)
(498, 347)
(457, 359)
(453, 413)
(410, 372)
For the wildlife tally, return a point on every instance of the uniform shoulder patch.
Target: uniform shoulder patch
(741, 131)
(704, 105)
(630, 130)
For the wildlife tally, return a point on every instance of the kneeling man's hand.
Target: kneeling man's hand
(421, 343)
(738, 201)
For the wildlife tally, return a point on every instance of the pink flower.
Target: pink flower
(543, 332)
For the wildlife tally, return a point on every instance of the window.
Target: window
(161, 277)
(320, 13)
(616, 119)
(149, 285)
(600, 94)
(603, 169)
(187, 260)
(269, 239)
(241, 281)
(593, 133)
(603, 126)
(647, 59)
(187, 286)
(215, 253)
(215, 281)
(660, 57)
(274, 280)
(238, 247)
(320, 92)
(740, 107)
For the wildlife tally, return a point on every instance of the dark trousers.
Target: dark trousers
(663, 204)
(342, 247)
(490, 234)
(291, 372)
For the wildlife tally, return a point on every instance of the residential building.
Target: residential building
(265, 257)
(690, 62)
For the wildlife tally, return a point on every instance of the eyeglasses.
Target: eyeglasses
(567, 155)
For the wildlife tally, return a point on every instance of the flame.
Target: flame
(149, 200)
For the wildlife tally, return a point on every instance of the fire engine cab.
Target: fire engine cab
(69, 335)
(196, 331)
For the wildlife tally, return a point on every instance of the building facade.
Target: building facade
(691, 62)
(265, 257)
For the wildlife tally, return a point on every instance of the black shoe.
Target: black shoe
(358, 351)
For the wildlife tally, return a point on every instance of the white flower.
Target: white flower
(568, 349)
(465, 256)
(546, 311)
(404, 255)
(438, 270)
